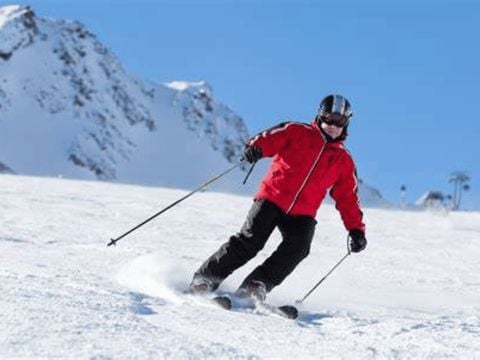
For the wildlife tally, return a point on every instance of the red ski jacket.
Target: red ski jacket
(305, 166)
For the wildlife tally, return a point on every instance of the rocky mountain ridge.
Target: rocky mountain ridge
(69, 79)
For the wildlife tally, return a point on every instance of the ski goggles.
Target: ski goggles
(335, 119)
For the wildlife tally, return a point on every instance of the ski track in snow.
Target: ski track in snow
(414, 293)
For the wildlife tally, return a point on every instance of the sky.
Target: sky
(409, 68)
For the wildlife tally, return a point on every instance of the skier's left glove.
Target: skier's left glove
(358, 242)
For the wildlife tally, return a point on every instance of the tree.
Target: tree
(458, 178)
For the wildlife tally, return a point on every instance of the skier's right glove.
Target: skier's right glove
(358, 242)
(252, 154)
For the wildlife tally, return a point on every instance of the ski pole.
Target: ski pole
(298, 302)
(114, 241)
(249, 172)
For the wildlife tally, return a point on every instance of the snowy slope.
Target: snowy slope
(414, 293)
(68, 107)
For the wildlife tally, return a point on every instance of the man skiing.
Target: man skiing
(309, 160)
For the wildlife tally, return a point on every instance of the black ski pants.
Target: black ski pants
(297, 234)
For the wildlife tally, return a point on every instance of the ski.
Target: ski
(286, 311)
(290, 311)
(223, 301)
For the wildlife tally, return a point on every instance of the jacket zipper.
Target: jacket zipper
(307, 178)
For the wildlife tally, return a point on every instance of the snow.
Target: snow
(413, 293)
(7, 13)
(184, 85)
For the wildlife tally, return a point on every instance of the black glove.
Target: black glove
(252, 154)
(358, 242)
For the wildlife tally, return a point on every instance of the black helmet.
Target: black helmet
(335, 104)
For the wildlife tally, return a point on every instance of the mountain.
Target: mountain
(371, 196)
(412, 294)
(4, 169)
(68, 107)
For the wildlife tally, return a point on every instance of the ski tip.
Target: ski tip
(289, 311)
(223, 301)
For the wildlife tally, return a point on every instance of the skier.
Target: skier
(308, 161)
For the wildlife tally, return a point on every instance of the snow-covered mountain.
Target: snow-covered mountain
(68, 107)
(412, 294)
(371, 196)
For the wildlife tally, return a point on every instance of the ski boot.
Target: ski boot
(255, 290)
(201, 286)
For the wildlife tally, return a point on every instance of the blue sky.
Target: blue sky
(410, 69)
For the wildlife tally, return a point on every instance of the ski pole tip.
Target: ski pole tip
(112, 242)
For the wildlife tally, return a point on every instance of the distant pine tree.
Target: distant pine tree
(458, 178)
